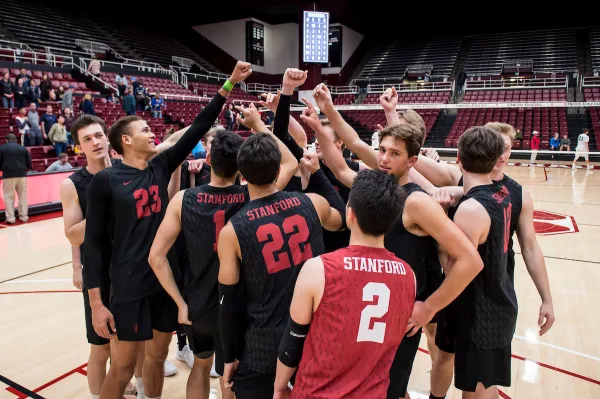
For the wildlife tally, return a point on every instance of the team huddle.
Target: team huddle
(299, 274)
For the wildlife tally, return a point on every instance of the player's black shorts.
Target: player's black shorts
(402, 366)
(92, 337)
(204, 339)
(136, 320)
(250, 384)
(445, 335)
(473, 365)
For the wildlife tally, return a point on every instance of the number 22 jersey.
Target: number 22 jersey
(277, 234)
(367, 300)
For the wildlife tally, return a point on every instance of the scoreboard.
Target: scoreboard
(255, 43)
(315, 43)
(335, 46)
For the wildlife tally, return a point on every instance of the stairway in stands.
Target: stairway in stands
(435, 139)
(362, 131)
(576, 122)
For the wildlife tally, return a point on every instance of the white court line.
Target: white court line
(38, 281)
(560, 348)
(16, 227)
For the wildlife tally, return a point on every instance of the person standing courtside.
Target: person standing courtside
(14, 163)
(133, 196)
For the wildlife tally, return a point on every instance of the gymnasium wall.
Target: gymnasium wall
(350, 41)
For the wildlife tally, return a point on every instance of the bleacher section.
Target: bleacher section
(428, 97)
(491, 96)
(595, 47)
(392, 59)
(553, 50)
(152, 83)
(57, 78)
(370, 119)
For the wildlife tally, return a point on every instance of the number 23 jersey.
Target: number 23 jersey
(277, 234)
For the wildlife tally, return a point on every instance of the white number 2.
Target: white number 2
(377, 333)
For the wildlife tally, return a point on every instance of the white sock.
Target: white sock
(139, 385)
(95, 396)
(158, 397)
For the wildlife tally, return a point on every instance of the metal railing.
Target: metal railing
(590, 81)
(413, 86)
(516, 83)
(61, 51)
(142, 68)
(98, 47)
(185, 77)
(261, 88)
(343, 89)
(11, 44)
(189, 63)
(18, 55)
(83, 66)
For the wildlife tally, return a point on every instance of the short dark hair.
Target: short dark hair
(377, 201)
(586, 131)
(479, 149)
(82, 122)
(259, 159)
(223, 153)
(407, 132)
(10, 137)
(119, 129)
(63, 155)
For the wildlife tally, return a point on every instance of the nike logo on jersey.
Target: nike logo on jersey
(127, 182)
(221, 301)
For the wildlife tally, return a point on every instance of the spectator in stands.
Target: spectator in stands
(157, 104)
(229, 117)
(565, 143)
(555, 142)
(52, 95)
(61, 164)
(67, 100)
(35, 93)
(87, 106)
(26, 78)
(519, 135)
(69, 119)
(58, 136)
(113, 98)
(135, 83)
(141, 96)
(460, 83)
(7, 91)
(122, 85)
(535, 147)
(21, 94)
(14, 163)
(45, 87)
(94, 67)
(23, 126)
(129, 102)
(35, 131)
(47, 121)
(60, 93)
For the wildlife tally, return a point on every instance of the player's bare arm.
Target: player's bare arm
(73, 217)
(307, 295)
(535, 263)
(424, 213)
(438, 173)
(343, 129)
(77, 267)
(331, 219)
(333, 157)
(229, 251)
(288, 165)
(174, 183)
(163, 241)
(389, 101)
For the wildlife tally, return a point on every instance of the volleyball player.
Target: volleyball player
(351, 306)
(479, 325)
(264, 246)
(131, 198)
(411, 238)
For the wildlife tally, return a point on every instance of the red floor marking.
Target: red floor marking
(503, 395)
(37, 292)
(557, 369)
(54, 381)
(34, 218)
(19, 394)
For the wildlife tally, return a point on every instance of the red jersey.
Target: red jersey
(368, 298)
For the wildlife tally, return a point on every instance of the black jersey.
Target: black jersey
(136, 201)
(487, 308)
(413, 249)
(204, 212)
(294, 185)
(335, 240)
(516, 199)
(276, 234)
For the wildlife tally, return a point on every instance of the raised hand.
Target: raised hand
(389, 99)
(195, 166)
(241, 72)
(310, 162)
(323, 98)
(310, 116)
(271, 100)
(293, 78)
(251, 117)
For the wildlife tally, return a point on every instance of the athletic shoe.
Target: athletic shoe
(590, 167)
(170, 369)
(574, 167)
(185, 355)
(213, 372)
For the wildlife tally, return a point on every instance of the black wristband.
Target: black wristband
(228, 306)
(320, 184)
(292, 343)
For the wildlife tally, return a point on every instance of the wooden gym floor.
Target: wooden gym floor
(43, 349)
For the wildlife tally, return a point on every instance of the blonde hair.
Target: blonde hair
(503, 128)
(211, 133)
(413, 118)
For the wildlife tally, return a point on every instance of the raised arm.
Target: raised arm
(389, 101)
(73, 220)
(344, 131)
(535, 263)
(424, 212)
(331, 218)
(163, 241)
(439, 174)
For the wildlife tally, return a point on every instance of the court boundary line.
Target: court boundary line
(37, 271)
(557, 347)
(38, 292)
(20, 391)
(79, 370)
(572, 260)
